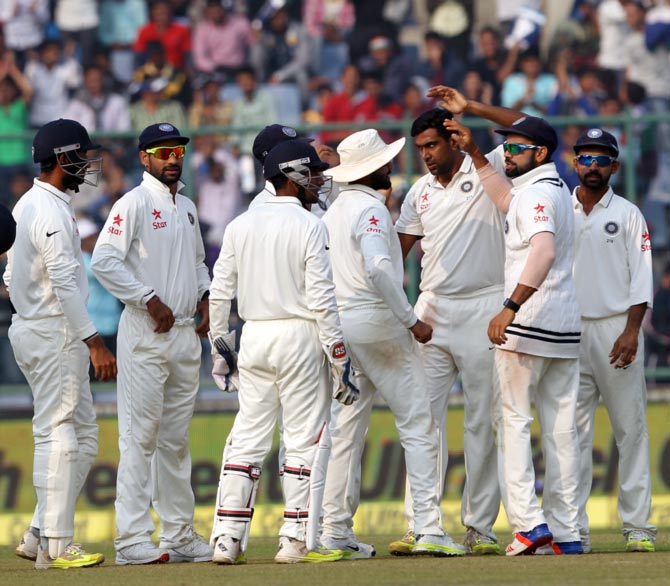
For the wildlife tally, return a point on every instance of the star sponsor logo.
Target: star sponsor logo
(646, 242)
(372, 227)
(424, 203)
(156, 214)
(113, 230)
(540, 216)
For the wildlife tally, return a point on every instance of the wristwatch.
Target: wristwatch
(513, 305)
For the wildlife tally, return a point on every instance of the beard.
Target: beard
(380, 179)
(72, 182)
(518, 170)
(167, 175)
(594, 180)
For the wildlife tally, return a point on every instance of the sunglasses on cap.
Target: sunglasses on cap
(514, 148)
(601, 160)
(165, 152)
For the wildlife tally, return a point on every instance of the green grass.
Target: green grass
(609, 564)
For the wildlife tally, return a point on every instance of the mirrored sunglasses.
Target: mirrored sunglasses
(165, 152)
(601, 160)
(514, 148)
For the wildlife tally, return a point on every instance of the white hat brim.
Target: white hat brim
(353, 171)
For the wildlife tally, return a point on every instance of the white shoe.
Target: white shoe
(477, 543)
(30, 544)
(351, 548)
(73, 556)
(437, 545)
(191, 548)
(227, 551)
(141, 553)
(292, 551)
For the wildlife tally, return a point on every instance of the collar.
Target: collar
(603, 202)
(365, 189)
(153, 184)
(466, 167)
(63, 195)
(546, 170)
(284, 199)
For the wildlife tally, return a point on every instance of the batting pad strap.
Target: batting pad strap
(296, 515)
(252, 472)
(297, 472)
(243, 514)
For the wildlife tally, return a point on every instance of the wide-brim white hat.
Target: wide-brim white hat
(363, 153)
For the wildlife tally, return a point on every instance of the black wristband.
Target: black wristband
(513, 305)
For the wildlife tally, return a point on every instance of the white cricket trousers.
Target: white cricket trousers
(552, 384)
(386, 359)
(460, 345)
(283, 369)
(157, 385)
(624, 394)
(55, 364)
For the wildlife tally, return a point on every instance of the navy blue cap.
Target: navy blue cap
(63, 135)
(270, 137)
(599, 138)
(292, 154)
(537, 129)
(158, 133)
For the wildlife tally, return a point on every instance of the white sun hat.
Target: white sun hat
(363, 153)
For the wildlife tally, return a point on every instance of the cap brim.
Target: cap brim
(352, 172)
(181, 139)
(506, 131)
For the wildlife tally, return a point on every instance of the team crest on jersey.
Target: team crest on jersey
(191, 218)
(506, 227)
(466, 186)
(611, 228)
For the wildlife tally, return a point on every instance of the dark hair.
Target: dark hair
(432, 119)
(246, 69)
(278, 181)
(48, 164)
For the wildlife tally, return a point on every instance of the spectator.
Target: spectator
(341, 106)
(53, 74)
(15, 93)
(23, 24)
(375, 106)
(576, 96)
(390, 66)
(255, 108)
(328, 24)
(120, 22)
(156, 65)
(221, 42)
(207, 108)
(97, 109)
(282, 52)
(154, 106)
(531, 89)
(77, 21)
(441, 67)
(174, 36)
(474, 88)
(564, 155)
(613, 31)
(495, 62)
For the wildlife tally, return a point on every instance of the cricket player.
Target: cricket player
(614, 280)
(53, 339)
(150, 255)
(274, 259)
(461, 233)
(537, 332)
(380, 328)
(7, 229)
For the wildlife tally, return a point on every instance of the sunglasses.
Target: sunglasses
(514, 148)
(601, 160)
(165, 152)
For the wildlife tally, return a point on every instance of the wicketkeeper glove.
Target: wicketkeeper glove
(346, 392)
(224, 372)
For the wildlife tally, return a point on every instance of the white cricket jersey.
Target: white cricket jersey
(612, 269)
(150, 246)
(45, 271)
(548, 324)
(262, 196)
(366, 255)
(274, 257)
(461, 231)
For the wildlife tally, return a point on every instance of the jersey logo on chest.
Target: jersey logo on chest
(424, 203)
(116, 222)
(157, 216)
